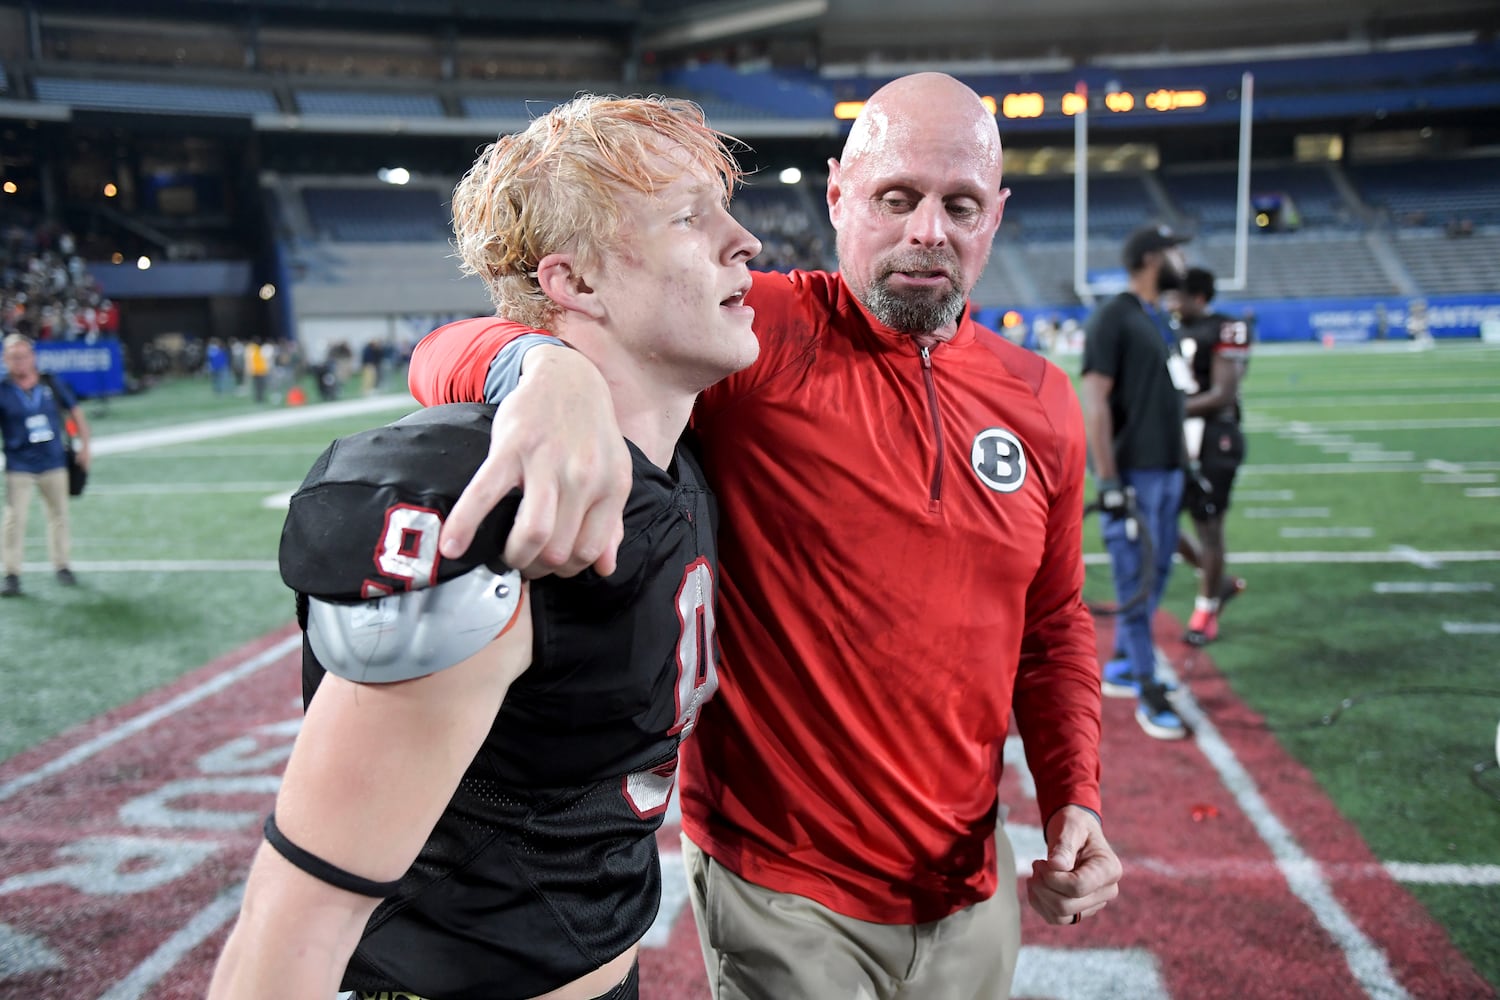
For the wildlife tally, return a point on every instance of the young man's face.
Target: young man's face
(675, 293)
(916, 215)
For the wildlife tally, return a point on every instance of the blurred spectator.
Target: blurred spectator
(370, 360)
(46, 291)
(218, 366)
(258, 367)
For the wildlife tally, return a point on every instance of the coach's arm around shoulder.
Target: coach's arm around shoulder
(366, 753)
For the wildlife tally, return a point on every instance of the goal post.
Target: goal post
(1236, 282)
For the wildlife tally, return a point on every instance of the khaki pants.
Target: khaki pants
(54, 489)
(764, 945)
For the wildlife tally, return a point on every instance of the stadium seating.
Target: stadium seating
(376, 214)
(1440, 264)
(394, 105)
(125, 95)
(1433, 192)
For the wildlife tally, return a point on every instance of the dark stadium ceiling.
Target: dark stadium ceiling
(864, 31)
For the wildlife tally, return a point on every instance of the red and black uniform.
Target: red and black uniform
(901, 567)
(544, 865)
(1211, 336)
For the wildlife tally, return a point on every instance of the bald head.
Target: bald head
(924, 111)
(915, 201)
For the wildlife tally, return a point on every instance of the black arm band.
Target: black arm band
(322, 870)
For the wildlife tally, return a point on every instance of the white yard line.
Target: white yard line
(1343, 468)
(204, 430)
(1304, 876)
(161, 566)
(1423, 587)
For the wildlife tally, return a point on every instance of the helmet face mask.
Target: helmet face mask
(413, 633)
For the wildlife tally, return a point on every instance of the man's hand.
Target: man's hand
(1081, 873)
(1111, 498)
(556, 438)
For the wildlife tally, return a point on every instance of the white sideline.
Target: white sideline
(201, 430)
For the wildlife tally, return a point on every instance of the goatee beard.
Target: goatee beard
(917, 311)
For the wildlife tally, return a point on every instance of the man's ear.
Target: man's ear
(564, 285)
(835, 187)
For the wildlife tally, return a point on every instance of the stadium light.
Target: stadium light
(791, 175)
(143, 263)
(847, 110)
(1076, 103)
(10, 187)
(393, 175)
(1022, 106)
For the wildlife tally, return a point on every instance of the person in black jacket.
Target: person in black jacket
(1134, 377)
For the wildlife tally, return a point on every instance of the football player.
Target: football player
(471, 806)
(1218, 348)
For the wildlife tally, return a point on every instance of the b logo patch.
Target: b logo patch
(997, 457)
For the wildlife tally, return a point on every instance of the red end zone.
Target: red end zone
(123, 843)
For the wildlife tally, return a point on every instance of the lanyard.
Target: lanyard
(1163, 327)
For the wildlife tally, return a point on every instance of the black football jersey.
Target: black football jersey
(544, 865)
(1210, 335)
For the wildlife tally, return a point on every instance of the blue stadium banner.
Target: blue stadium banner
(91, 368)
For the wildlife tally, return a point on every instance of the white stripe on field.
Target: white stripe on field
(204, 925)
(1377, 455)
(1315, 557)
(1458, 478)
(1246, 869)
(1264, 496)
(1472, 628)
(1419, 587)
(1304, 875)
(114, 444)
(1340, 468)
(1421, 424)
(1291, 532)
(1482, 492)
(179, 488)
(1440, 874)
(226, 450)
(163, 566)
(1268, 513)
(1423, 560)
(1348, 402)
(147, 719)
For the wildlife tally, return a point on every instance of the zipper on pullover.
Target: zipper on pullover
(936, 495)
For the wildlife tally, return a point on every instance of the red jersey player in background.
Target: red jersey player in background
(902, 495)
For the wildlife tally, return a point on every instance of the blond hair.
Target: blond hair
(555, 188)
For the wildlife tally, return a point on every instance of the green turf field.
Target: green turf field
(1367, 523)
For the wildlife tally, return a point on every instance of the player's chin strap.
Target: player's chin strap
(322, 870)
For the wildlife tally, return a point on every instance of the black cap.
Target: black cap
(365, 521)
(1149, 238)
